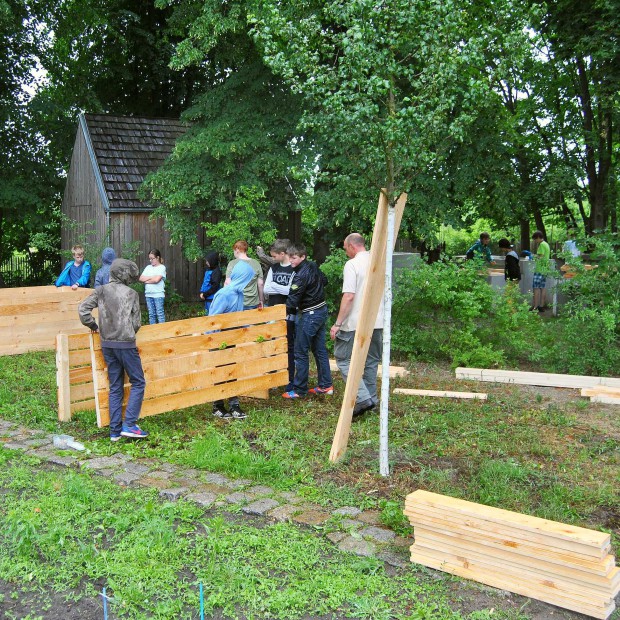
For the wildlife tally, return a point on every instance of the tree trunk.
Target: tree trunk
(524, 226)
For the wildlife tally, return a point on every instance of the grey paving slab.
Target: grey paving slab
(204, 499)
(348, 511)
(261, 489)
(260, 507)
(217, 479)
(160, 474)
(137, 468)
(103, 462)
(65, 461)
(173, 494)
(238, 484)
(126, 478)
(283, 513)
(335, 537)
(358, 546)
(379, 534)
(394, 559)
(239, 497)
(290, 498)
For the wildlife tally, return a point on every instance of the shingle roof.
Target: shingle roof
(127, 148)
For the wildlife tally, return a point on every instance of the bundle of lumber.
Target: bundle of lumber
(561, 564)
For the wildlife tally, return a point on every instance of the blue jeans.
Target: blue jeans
(207, 306)
(119, 362)
(155, 306)
(310, 336)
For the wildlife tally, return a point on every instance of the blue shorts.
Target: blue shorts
(539, 281)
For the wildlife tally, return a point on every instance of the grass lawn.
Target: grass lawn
(541, 451)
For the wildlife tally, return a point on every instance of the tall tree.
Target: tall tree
(239, 159)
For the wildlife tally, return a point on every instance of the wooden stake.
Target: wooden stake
(372, 296)
(62, 378)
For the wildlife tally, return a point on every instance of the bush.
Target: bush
(448, 311)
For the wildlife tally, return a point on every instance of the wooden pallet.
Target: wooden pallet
(185, 363)
(561, 564)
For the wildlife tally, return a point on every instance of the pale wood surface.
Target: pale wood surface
(395, 371)
(563, 531)
(554, 562)
(372, 296)
(31, 317)
(535, 378)
(463, 567)
(184, 367)
(441, 394)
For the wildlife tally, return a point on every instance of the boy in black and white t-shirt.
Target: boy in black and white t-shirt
(277, 286)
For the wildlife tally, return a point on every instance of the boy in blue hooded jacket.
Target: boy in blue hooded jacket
(230, 299)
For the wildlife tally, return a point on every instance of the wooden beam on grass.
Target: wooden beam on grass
(395, 371)
(441, 394)
(62, 378)
(536, 378)
(372, 297)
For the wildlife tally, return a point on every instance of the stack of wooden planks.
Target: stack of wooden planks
(564, 565)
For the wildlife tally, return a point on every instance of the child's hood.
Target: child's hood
(124, 271)
(241, 274)
(107, 256)
(213, 259)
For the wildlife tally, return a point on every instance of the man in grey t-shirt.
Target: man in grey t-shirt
(343, 330)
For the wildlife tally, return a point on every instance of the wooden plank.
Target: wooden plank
(530, 545)
(372, 296)
(433, 539)
(441, 394)
(84, 405)
(554, 529)
(601, 390)
(218, 322)
(535, 378)
(175, 402)
(395, 371)
(62, 378)
(81, 374)
(607, 400)
(35, 294)
(201, 360)
(164, 350)
(517, 585)
(209, 376)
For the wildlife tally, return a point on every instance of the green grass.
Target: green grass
(520, 450)
(71, 532)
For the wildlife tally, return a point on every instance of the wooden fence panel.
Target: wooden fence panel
(31, 317)
(183, 365)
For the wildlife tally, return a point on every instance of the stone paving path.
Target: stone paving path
(349, 528)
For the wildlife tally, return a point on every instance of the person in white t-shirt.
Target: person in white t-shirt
(154, 278)
(343, 330)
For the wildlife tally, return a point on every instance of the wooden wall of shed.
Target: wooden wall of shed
(126, 228)
(82, 205)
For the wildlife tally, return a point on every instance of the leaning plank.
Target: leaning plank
(535, 378)
(441, 394)
(518, 521)
(371, 299)
(395, 371)
(63, 378)
(601, 390)
(463, 567)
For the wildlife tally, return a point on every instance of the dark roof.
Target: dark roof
(127, 148)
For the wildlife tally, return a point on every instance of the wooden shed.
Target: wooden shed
(111, 157)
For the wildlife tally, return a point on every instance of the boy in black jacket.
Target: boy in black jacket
(512, 270)
(307, 299)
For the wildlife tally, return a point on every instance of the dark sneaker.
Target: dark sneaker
(237, 413)
(219, 411)
(133, 431)
(115, 437)
(319, 391)
(362, 407)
